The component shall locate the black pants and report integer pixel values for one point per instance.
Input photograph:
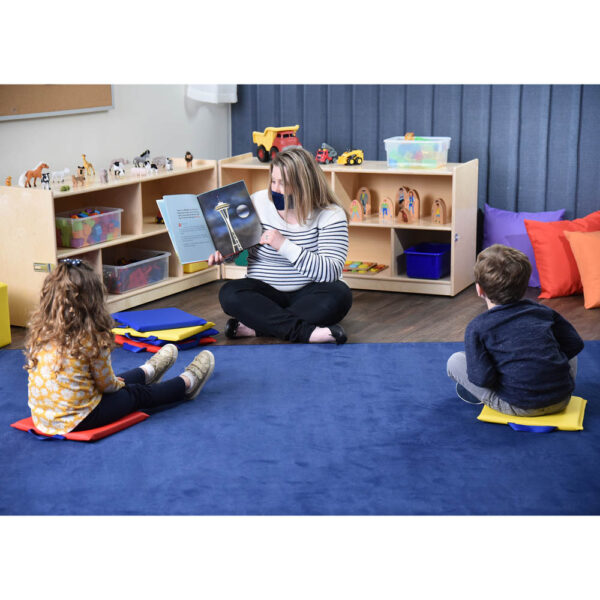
(286, 315)
(136, 395)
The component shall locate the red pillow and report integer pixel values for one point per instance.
(559, 275)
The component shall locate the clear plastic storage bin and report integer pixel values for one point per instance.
(74, 229)
(141, 268)
(420, 152)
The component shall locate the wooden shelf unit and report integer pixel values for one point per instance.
(28, 233)
(373, 241)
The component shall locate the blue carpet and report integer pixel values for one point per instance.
(360, 429)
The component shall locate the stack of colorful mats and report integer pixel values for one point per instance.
(148, 330)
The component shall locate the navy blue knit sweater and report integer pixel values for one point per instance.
(521, 351)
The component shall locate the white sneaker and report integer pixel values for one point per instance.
(201, 367)
(161, 362)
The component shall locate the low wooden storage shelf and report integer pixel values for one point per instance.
(373, 241)
(28, 232)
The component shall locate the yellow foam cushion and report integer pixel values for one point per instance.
(4, 316)
(570, 419)
(169, 335)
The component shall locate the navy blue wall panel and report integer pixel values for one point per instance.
(538, 145)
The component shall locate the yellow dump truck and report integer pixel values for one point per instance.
(274, 139)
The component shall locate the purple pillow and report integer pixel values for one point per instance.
(507, 227)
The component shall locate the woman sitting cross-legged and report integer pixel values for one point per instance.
(293, 288)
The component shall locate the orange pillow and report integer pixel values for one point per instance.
(559, 275)
(586, 250)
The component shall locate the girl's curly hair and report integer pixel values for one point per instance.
(72, 315)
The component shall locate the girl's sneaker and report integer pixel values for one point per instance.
(161, 362)
(201, 368)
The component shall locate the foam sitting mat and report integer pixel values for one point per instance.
(157, 319)
(569, 419)
(89, 435)
(169, 335)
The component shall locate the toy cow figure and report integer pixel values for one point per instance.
(117, 169)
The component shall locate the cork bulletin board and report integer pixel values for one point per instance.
(31, 101)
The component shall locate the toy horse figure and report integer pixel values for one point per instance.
(139, 161)
(25, 179)
(88, 166)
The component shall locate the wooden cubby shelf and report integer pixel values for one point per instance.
(28, 232)
(374, 241)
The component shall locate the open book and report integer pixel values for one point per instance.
(223, 219)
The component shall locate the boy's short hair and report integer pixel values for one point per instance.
(502, 273)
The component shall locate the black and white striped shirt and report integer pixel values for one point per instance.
(315, 251)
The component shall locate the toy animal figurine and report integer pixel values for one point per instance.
(138, 161)
(59, 176)
(25, 178)
(88, 166)
(413, 205)
(65, 188)
(117, 168)
(438, 212)
(386, 211)
(169, 164)
(8, 181)
(160, 162)
(364, 196)
(150, 167)
(104, 176)
(356, 211)
(45, 181)
(188, 159)
(78, 179)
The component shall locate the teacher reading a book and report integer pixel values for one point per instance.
(293, 288)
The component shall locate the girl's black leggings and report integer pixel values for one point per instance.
(285, 315)
(136, 395)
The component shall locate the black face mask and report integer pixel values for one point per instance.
(279, 200)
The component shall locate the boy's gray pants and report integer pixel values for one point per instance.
(457, 370)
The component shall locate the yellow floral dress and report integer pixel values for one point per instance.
(61, 398)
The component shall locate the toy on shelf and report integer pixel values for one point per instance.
(45, 181)
(356, 212)
(59, 176)
(104, 176)
(117, 168)
(438, 212)
(386, 211)
(412, 206)
(273, 140)
(65, 188)
(25, 178)
(8, 181)
(139, 161)
(89, 167)
(150, 167)
(189, 158)
(410, 135)
(363, 268)
(78, 179)
(119, 161)
(326, 154)
(364, 197)
(160, 162)
(351, 157)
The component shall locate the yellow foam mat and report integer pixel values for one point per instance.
(570, 419)
(169, 335)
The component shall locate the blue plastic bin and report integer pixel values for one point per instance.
(428, 260)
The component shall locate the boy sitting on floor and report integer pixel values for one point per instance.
(520, 356)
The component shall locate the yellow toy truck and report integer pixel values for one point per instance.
(352, 157)
(274, 139)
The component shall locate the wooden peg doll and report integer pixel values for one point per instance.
(356, 213)
(438, 212)
(412, 206)
(364, 196)
(386, 210)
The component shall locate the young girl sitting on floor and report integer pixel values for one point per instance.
(72, 386)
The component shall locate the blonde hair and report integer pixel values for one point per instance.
(72, 315)
(305, 181)
(502, 273)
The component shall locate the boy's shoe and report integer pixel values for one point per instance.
(202, 367)
(162, 361)
(465, 395)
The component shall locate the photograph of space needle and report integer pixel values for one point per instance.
(231, 218)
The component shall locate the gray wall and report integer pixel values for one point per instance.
(538, 145)
(158, 117)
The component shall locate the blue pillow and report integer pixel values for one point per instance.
(507, 227)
